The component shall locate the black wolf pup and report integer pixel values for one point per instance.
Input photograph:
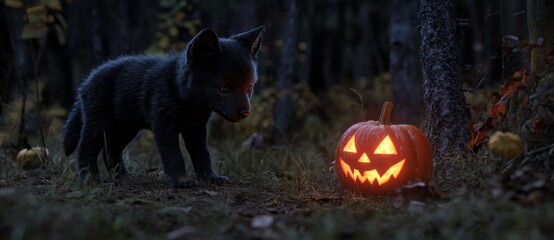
(168, 95)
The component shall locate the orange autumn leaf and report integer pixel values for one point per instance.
(479, 133)
(519, 73)
(498, 110)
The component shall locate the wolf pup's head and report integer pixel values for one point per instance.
(221, 72)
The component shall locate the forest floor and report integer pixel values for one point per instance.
(274, 193)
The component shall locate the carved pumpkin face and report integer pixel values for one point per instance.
(378, 157)
(377, 169)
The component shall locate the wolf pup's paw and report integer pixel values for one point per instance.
(121, 171)
(182, 184)
(125, 175)
(215, 179)
(84, 176)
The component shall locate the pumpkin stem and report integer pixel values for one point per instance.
(385, 114)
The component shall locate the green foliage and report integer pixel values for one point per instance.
(178, 21)
(14, 3)
(40, 18)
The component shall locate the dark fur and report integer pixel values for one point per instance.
(168, 95)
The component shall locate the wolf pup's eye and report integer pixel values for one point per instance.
(249, 89)
(224, 89)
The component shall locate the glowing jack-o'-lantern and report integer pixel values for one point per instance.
(376, 157)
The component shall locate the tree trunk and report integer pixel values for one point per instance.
(287, 71)
(407, 86)
(22, 64)
(142, 24)
(22, 67)
(318, 39)
(446, 118)
(97, 48)
(540, 17)
(325, 59)
(6, 57)
(116, 19)
(539, 128)
(361, 62)
(514, 18)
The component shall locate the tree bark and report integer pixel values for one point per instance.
(22, 64)
(116, 18)
(538, 129)
(407, 86)
(22, 68)
(540, 17)
(97, 48)
(316, 76)
(361, 62)
(143, 16)
(446, 117)
(6, 57)
(325, 66)
(287, 70)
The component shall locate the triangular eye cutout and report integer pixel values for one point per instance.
(386, 147)
(351, 145)
(364, 159)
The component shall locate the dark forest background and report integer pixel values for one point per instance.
(465, 72)
(315, 53)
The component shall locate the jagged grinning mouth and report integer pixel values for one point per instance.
(372, 175)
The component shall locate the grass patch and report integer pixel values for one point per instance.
(293, 188)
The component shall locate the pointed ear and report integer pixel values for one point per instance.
(204, 44)
(251, 40)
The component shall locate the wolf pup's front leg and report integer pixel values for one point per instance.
(196, 143)
(167, 141)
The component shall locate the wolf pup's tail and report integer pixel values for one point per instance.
(72, 129)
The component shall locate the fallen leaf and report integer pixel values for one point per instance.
(523, 185)
(138, 201)
(539, 126)
(498, 110)
(176, 209)
(75, 194)
(181, 232)
(211, 193)
(416, 206)
(479, 132)
(262, 221)
(418, 191)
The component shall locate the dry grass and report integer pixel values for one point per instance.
(293, 185)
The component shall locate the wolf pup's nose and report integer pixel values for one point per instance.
(244, 113)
